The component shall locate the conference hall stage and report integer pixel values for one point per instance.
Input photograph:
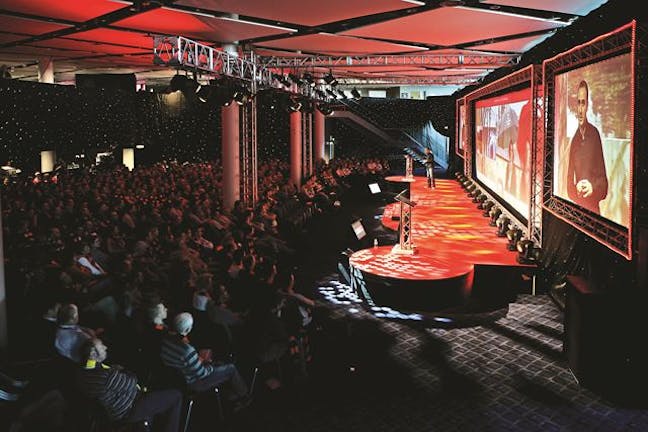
(459, 260)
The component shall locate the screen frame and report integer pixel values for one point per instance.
(610, 45)
(523, 78)
(461, 102)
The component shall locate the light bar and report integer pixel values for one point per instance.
(289, 29)
(416, 2)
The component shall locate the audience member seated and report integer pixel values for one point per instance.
(120, 397)
(199, 372)
(70, 336)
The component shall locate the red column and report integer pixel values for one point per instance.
(319, 120)
(295, 148)
(231, 167)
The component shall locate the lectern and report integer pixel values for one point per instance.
(409, 169)
(405, 245)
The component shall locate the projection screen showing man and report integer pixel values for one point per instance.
(592, 131)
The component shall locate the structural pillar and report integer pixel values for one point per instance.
(296, 148)
(48, 160)
(319, 135)
(231, 163)
(46, 70)
(128, 158)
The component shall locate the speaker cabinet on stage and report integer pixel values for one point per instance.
(600, 336)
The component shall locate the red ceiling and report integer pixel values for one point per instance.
(358, 28)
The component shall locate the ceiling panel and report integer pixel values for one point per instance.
(451, 26)
(87, 46)
(174, 23)
(73, 10)
(338, 45)
(379, 68)
(515, 45)
(117, 37)
(36, 52)
(576, 7)
(305, 12)
(27, 26)
(8, 37)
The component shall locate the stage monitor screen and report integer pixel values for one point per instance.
(374, 188)
(593, 137)
(358, 229)
(503, 147)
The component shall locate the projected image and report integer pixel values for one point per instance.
(592, 130)
(461, 129)
(503, 146)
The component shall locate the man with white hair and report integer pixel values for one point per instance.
(199, 374)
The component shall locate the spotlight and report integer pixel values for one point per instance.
(331, 93)
(356, 94)
(487, 206)
(528, 253)
(475, 194)
(342, 94)
(513, 235)
(495, 213)
(502, 225)
(471, 188)
(480, 200)
(309, 79)
(325, 108)
(320, 94)
(330, 79)
(241, 95)
(294, 105)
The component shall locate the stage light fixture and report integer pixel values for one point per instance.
(495, 213)
(203, 92)
(503, 225)
(342, 94)
(513, 235)
(471, 188)
(475, 194)
(307, 77)
(294, 104)
(325, 108)
(480, 201)
(487, 206)
(331, 93)
(330, 79)
(528, 252)
(356, 94)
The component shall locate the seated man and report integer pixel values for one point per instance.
(199, 374)
(70, 336)
(117, 392)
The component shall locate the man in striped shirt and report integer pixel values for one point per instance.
(199, 374)
(119, 395)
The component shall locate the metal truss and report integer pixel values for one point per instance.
(307, 144)
(489, 61)
(406, 244)
(409, 167)
(248, 153)
(409, 80)
(534, 226)
(618, 42)
(180, 52)
(526, 75)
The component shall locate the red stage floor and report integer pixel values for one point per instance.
(449, 233)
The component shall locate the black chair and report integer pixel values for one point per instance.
(174, 378)
(99, 421)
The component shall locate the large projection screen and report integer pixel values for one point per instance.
(502, 146)
(590, 137)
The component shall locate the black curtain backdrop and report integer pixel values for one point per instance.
(39, 117)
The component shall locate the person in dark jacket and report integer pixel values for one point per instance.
(119, 395)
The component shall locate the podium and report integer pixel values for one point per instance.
(409, 168)
(405, 244)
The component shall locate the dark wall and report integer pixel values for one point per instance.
(39, 117)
